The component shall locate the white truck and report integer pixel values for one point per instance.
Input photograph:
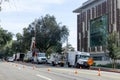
(78, 59)
(36, 58)
(28, 57)
(56, 59)
(39, 58)
(34, 55)
(19, 56)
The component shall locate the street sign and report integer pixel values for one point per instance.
(90, 61)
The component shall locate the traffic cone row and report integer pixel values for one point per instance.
(75, 72)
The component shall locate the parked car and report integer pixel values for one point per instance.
(10, 59)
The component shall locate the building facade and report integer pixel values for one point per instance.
(95, 20)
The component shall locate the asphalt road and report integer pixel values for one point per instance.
(27, 71)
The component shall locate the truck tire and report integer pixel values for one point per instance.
(61, 64)
(77, 65)
(53, 64)
(69, 64)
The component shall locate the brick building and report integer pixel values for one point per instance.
(95, 20)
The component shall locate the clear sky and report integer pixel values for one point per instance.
(17, 14)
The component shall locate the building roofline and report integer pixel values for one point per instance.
(84, 5)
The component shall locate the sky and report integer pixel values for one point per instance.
(17, 14)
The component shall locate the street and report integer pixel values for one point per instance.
(27, 71)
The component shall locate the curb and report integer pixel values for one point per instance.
(106, 69)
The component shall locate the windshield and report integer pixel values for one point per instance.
(84, 57)
(41, 55)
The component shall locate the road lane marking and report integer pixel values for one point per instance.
(43, 77)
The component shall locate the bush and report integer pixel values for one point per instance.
(109, 65)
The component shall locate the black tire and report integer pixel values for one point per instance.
(62, 64)
(69, 64)
(77, 65)
(53, 64)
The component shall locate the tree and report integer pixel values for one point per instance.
(18, 45)
(49, 34)
(5, 42)
(113, 47)
(68, 48)
(5, 38)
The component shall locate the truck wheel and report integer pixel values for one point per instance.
(61, 64)
(53, 64)
(77, 65)
(69, 64)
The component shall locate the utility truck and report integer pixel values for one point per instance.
(19, 56)
(77, 59)
(28, 57)
(40, 58)
(56, 59)
(34, 55)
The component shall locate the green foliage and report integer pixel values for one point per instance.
(5, 38)
(113, 47)
(18, 45)
(68, 47)
(49, 34)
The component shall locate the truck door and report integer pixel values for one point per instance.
(76, 58)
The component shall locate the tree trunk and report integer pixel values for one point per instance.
(114, 63)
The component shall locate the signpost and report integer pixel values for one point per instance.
(90, 61)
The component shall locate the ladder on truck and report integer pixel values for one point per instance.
(32, 44)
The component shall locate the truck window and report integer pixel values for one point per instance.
(84, 57)
(41, 55)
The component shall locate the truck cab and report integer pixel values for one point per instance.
(41, 58)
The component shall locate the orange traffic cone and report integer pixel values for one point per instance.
(99, 72)
(76, 72)
(33, 67)
(16, 65)
(80, 67)
(23, 66)
(48, 69)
